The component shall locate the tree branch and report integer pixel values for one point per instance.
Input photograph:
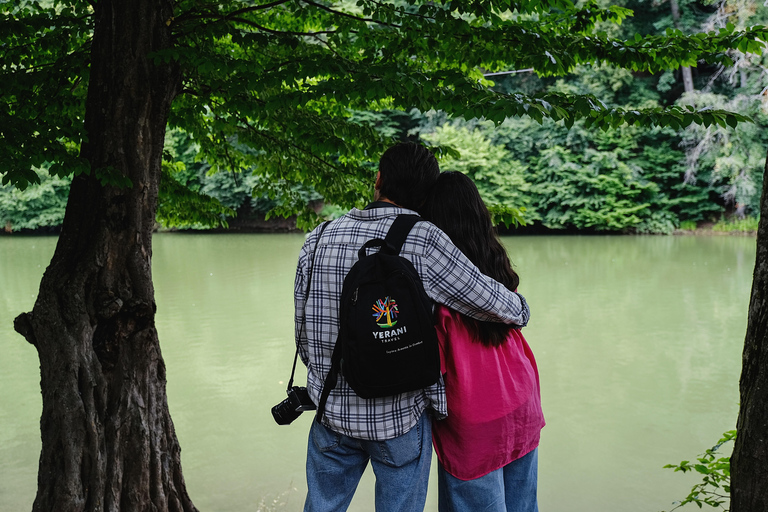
(307, 155)
(258, 7)
(188, 15)
(22, 324)
(229, 18)
(347, 15)
(331, 49)
(279, 32)
(412, 14)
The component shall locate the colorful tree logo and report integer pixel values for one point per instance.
(385, 312)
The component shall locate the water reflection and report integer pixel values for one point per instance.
(638, 340)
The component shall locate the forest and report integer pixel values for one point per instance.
(630, 179)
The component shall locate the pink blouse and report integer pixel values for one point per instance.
(494, 401)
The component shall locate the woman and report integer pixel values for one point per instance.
(487, 447)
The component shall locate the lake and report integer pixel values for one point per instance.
(638, 342)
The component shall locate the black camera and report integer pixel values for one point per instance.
(291, 408)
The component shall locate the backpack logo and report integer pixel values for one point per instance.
(385, 312)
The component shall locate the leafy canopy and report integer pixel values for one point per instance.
(271, 87)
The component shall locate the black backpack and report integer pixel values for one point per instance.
(387, 342)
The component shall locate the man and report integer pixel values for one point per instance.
(394, 433)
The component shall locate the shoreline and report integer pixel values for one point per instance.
(258, 224)
(712, 232)
(286, 227)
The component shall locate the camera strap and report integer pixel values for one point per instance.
(293, 371)
(306, 297)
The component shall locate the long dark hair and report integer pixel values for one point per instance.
(454, 205)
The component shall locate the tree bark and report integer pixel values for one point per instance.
(687, 79)
(108, 442)
(686, 70)
(749, 462)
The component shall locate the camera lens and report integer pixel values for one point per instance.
(285, 412)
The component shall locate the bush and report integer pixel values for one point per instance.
(37, 206)
(715, 486)
(745, 225)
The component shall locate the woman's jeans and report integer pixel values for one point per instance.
(336, 462)
(508, 489)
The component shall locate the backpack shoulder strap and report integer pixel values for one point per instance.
(330, 381)
(398, 232)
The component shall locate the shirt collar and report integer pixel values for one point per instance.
(380, 210)
(380, 204)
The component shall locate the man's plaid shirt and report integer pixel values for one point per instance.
(449, 278)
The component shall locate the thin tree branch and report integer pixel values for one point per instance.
(258, 7)
(280, 32)
(229, 18)
(347, 15)
(331, 49)
(261, 7)
(412, 14)
(308, 156)
(510, 72)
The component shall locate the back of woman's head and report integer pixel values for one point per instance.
(455, 206)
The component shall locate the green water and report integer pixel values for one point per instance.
(638, 341)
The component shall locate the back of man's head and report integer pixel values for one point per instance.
(407, 172)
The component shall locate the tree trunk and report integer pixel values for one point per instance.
(687, 74)
(749, 462)
(687, 79)
(108, 442)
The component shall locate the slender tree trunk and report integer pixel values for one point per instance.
(687, 79)
(108, 442)
(686, 70)
(749, 462)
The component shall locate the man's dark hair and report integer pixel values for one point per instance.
(408, 170)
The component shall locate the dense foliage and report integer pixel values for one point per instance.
(528, 138)
(633, 178)
(35, 207)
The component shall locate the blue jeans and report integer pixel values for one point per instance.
(336, 462)
(508, 489)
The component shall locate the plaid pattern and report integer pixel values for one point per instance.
(449, 278)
